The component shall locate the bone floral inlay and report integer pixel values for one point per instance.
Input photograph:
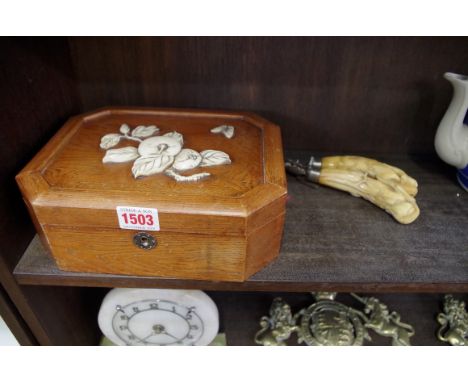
(159, 154)
(226, 130)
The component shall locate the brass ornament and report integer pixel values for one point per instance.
(330, 323)
(454, 322)
(278, 327)
(385, 323)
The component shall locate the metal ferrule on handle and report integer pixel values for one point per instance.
(313, 170)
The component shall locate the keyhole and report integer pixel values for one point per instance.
(144, 240)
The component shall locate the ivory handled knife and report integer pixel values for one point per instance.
(386, 186)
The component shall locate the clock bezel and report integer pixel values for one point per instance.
(190, 311)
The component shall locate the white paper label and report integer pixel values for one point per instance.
(138, 218)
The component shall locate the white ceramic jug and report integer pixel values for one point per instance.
(451, 140)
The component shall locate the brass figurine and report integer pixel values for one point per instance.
(329, 322)
(383, 322)
(454, 322)
(276, 328)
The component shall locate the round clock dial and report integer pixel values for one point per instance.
(158, 317)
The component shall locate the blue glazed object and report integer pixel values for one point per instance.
(462, 176)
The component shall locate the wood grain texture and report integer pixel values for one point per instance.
(331, 94)
(333, 241)
(264, 243)
(177, 255)
(206, 227)
(79, 164)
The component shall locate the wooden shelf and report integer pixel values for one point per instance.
(334, 242)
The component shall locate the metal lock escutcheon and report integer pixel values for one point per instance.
(144, 240)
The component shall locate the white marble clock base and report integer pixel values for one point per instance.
(158, 317)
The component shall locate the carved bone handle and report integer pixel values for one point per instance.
(383, 172)
(386, 186)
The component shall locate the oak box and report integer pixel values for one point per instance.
(187, 194)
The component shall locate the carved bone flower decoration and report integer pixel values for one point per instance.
(159, 154)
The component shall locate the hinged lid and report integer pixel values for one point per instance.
(67, 177)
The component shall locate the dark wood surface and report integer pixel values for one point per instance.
(384, 94)
(333, 241)
(38, 95)
(14, 321)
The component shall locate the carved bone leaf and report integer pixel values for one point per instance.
(175, 135)
(109, 140)
(214, 158)
(144, 131)
(226, 130)
(187, 159)
(150, 165)
(125, 154)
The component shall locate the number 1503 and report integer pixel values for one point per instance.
(141, 219)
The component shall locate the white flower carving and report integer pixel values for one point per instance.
(158, 145)
(159, 154)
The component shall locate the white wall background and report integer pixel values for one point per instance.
(6, 337)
